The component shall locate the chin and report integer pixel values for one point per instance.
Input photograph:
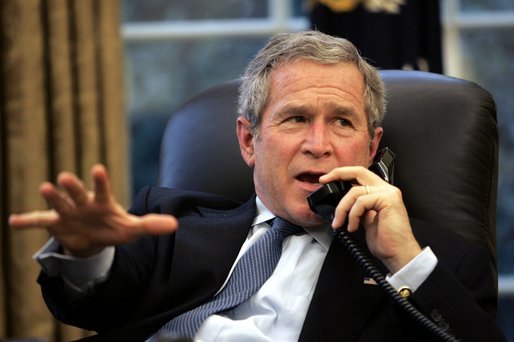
(307, 218)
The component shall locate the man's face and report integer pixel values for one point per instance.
(313, 122)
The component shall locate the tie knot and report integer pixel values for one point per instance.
(285, 228)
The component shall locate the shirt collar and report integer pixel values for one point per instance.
(323, 234)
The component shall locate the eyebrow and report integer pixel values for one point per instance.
(295, 110)
(306, 110)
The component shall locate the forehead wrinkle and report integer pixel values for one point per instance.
(354, 91)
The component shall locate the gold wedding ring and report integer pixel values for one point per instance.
(367, 189)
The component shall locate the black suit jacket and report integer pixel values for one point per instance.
(157, 278)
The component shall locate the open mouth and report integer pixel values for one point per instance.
(308, 177)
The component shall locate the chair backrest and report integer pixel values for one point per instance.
(442, 129)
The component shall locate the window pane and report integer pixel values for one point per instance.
(161, 76)
(505, 315)
(137, 10)
(477, 5)
(299, 8)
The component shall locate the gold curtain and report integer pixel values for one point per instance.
(61, 108)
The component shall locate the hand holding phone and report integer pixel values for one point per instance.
(325, 200)
(355, 196)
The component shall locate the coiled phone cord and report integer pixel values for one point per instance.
(402, 303)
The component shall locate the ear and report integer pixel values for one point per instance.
(245, 138)
(373, 146)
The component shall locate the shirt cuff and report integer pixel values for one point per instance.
(79, 273)
(415, 272)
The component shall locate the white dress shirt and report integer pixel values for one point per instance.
(274, 313)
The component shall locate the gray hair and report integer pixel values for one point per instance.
(309, 45)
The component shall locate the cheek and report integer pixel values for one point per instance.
(354, 153)
(272, 159)
(264, 169)
(273, 153)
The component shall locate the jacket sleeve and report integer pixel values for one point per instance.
(115, 301)
(461, 297)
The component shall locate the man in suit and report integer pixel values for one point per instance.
(310, 110)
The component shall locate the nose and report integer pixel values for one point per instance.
(317, 141)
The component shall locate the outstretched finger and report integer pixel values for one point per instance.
(101, 186)
(74, 187)
(34, 219)
(158, 224)
(55, 199)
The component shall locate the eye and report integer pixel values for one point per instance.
(296, 119)
(343, 122)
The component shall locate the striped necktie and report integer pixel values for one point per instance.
(252, 270)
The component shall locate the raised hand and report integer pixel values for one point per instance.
(378, 206)
(84, 222)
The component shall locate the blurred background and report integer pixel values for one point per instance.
(173, 49)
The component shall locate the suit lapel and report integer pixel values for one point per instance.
(206, 247)
(342, 302)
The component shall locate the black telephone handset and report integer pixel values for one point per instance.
(324, 202)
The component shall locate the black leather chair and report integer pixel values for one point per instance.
(442, 129)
